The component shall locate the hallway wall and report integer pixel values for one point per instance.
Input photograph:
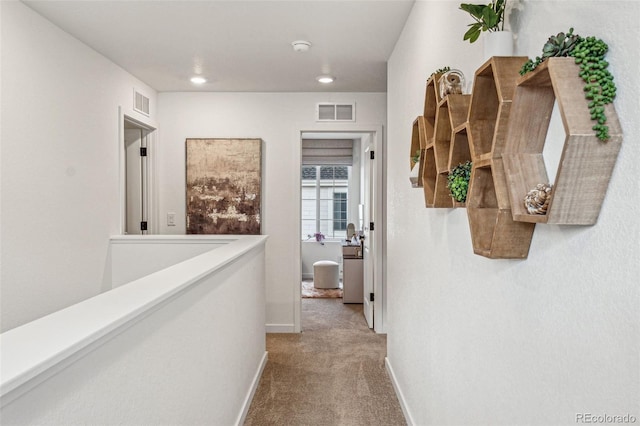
(538, 341)
(60, 165)
(275, 118)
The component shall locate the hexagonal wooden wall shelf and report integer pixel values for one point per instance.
(431, 100)
(418, 143)
(451, 112)
(493, 88)
(459, 152)
(494, 233)
(586, 163)
(423, 126)
(429, 175)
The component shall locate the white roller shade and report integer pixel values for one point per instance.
(330, 152)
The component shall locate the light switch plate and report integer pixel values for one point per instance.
(171, 219)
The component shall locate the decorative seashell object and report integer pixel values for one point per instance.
(451, 82)
(537, 200)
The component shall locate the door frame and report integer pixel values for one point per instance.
(152, 195)
(378, 137)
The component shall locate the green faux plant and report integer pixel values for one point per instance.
(416, 158)
(488, 17)
(458, 181)
(440, 71)
(589, 53)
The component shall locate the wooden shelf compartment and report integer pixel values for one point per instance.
(418, 142)
(494, 233)
(586, 163)
(429, 177)
(452, 112)
(431, 101)
(459, 152)
(493, 88)
(442, 195)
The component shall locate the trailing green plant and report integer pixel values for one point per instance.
(589, 53)
(458, 181)
(488, 17)
(416, 157)
(599, 88)
(440, 71)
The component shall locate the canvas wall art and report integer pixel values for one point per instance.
(224, 181)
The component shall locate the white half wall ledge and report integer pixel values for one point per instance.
(280, 328)
(37, 350)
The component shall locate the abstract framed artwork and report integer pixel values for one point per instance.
(224, 186)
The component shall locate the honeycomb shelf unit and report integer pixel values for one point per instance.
(586, 163)
(494, 233)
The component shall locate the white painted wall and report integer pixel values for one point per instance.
(134, 256)
(184, 346)
(277, 119)
(313, 251)
(60, 176)
(478, 341)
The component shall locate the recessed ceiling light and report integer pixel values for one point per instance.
(301, 45)
(326, 79)
(198, 80)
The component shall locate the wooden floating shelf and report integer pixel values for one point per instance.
(429, 177)
(586, 163)
(423, 128)
(459, 152)
(493, 88)
(494, 233)
(431, 101)
(450, 113)
(418, 143)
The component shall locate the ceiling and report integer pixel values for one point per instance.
(239, 46)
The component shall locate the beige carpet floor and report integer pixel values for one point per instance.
(331, 374)
(309, 291)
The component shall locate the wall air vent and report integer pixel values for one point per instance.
(335, 112)
(140, 103)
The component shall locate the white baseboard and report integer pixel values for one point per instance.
(254, 386)
(280, 328)
(396, 387)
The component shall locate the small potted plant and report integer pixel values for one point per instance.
(589, 53)
(489, 18)
(458, 181)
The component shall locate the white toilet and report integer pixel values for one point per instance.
(326, 274)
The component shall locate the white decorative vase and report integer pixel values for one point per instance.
(497, 43)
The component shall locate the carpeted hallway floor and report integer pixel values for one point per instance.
(331, 374)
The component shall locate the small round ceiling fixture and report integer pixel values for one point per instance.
(198, 79)
(301, 45)
(326, 79)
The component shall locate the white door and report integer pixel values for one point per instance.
(135, 180)
(369, 235)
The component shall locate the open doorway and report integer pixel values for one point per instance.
(338, 188)
(136, 176)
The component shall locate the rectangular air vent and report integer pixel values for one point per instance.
(140, 103)
(335, 112)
